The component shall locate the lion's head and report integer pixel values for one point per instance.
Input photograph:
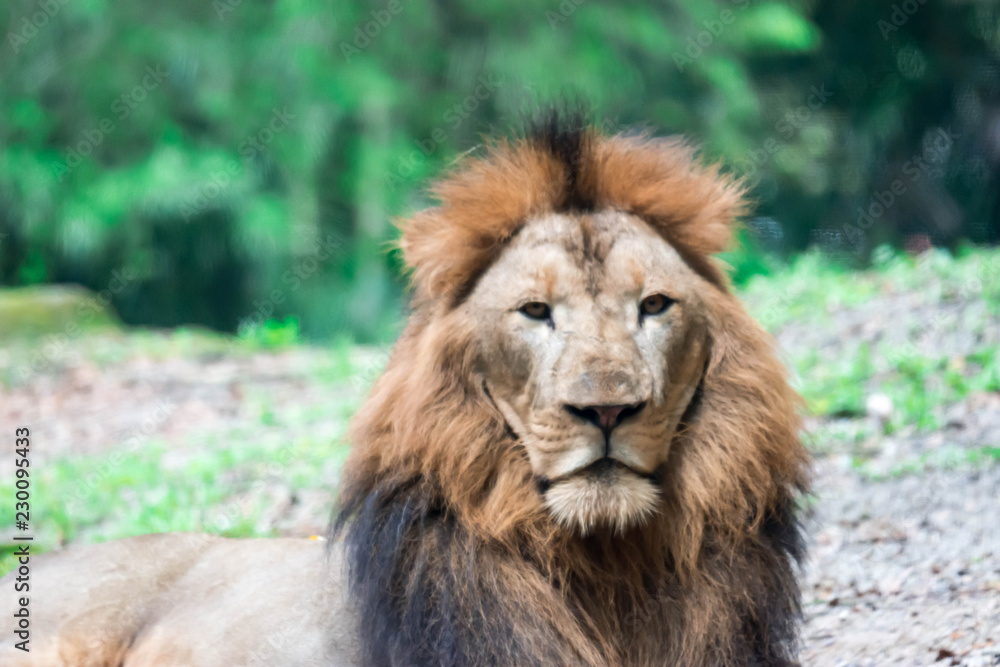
(579, 421)
(592, 343)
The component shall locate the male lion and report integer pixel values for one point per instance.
(582, 452)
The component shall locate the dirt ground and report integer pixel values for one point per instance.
(904, 561)
(903, 571)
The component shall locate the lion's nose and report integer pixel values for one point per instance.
(605, 417)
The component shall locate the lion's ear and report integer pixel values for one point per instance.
(481, 206)
(709, 229)
(662, 181)
(425, 245)
(445, 256)
(709, 226)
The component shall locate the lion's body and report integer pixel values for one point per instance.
(582, 451)
(499, 535)
(183, 599)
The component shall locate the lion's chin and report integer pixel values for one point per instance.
(616, 497)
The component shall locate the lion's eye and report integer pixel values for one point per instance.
(537, 310)
(654, 304)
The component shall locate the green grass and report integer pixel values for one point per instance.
(945, 458)
(219, 487)
(222, 482)
(920, 382)
(918, 386)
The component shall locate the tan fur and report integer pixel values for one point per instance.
(183, 599)
(622, 501)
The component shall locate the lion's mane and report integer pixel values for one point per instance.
(453, 559)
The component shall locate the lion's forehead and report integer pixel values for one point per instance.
(579, 233)
(611, 253)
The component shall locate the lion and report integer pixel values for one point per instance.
(582, 451)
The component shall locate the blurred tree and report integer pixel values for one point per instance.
(241, 160)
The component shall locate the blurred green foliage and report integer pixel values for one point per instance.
(228, 162)
(272, 333)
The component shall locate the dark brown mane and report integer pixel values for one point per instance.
(454, 560)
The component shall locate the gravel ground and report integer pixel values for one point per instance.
(904, 566)
(904, 571)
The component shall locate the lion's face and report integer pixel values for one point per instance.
(592, 346)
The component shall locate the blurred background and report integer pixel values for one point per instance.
(198, 283)
(227, 163)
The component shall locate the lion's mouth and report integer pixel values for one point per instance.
(606, 470)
